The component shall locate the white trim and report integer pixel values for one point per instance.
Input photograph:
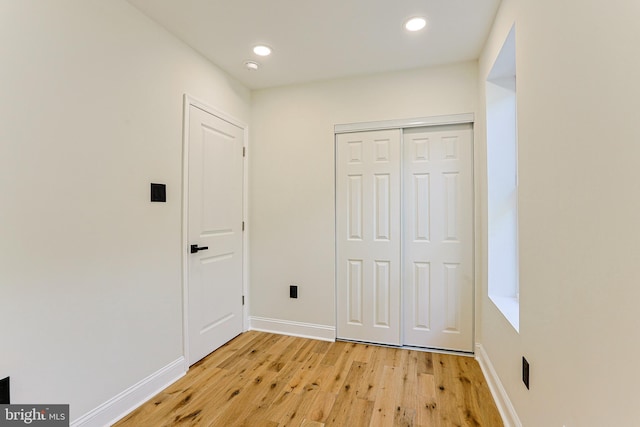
(189, 100)
(450, 119)
(506, 409)
(296, 329)
(245, 242)
(122, 404)
(185, 231)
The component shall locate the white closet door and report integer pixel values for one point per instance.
(438, 237)
(368, 236)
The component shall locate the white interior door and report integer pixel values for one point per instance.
(368, 236)
(215, 197)
(438, 237)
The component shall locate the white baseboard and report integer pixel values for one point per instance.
(296, 329)
(122, 404)
(506, 409)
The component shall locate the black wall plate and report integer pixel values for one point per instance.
(5, 393)
(158, 192)
(525, 372)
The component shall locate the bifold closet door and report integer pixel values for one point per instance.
(368, 235)
(438, 237)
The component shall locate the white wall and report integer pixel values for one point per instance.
(90, 275)
(578, 142)
(292, 175)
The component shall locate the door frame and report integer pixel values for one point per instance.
(476, 259)
(189, 101)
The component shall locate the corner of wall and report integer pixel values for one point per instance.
(506, 409)
(119, 406)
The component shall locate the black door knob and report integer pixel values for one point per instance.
(195, 248)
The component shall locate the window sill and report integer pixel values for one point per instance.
(510, 309)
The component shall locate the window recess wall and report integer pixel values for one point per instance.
(404, 224)
(502, 183)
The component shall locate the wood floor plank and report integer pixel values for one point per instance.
(362, 353)
(372, 379)
(321, 377)
(362, 413)
(267, 380)
(299, 379)
(321, 346)
(284, 407)
(321, 406)
(386, 405)
(334, 352)
(347, 396)
(393, 356)
(283, 352)
(304, 350)
(250, 390)
(224, 390)
(409, 391)
(426, 406)
(425, 362)
(447, 390)
(404, 417)
(299, 413)
(283, 378)
(256, 412)
(342, 365)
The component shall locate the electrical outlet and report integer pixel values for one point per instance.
(525, 372)
(293, 291)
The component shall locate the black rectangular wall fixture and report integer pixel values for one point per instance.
(525, 372)
(293, 291)
(5, 394)
(158, 192)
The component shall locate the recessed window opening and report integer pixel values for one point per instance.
(502, 183)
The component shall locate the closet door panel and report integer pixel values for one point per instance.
(368, 236)
(438, 237)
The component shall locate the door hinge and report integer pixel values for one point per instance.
(242, 299)
(242, 225)
(244, 151)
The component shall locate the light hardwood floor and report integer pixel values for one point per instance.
(261, 379)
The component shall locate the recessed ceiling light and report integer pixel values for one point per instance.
(415, 24)
(251, 65)
(262, 50)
